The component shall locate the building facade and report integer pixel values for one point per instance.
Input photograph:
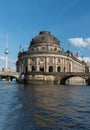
(45, 55)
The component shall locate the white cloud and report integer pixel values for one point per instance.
(80, 42)
(2, 58)
(9, 60)
(86, 59)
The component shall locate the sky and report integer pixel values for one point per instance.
(21, 20)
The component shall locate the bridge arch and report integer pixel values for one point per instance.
(65, 78)
(10, 75)
(7, 77)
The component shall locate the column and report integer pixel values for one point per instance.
(46, 64)
(67, 64)
(55, 64)
(29, 67)
(22, 68)
(37, 66)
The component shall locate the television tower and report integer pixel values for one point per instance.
(6, 53)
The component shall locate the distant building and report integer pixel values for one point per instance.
(45, 55)
(8, 69)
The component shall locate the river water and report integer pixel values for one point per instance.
(44, 107)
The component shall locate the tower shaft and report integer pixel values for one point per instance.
(6, 53)
(6, 60)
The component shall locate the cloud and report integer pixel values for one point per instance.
(2, 58)
(80, 42)
(11, 63)
(86, 59)
(9, 60)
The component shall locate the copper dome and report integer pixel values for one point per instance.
(44, 37)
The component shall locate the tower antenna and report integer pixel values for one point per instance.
(7, 41)
(6, 53)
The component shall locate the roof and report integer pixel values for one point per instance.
(44, 37)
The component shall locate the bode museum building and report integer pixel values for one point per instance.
(45, 58)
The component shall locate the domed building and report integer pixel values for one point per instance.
(45, 58)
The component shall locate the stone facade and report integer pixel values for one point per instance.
(46, 55)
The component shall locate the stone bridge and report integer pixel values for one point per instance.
(11, 75)
(62, 77)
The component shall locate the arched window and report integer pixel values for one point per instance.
(33, 68)
(50, 68)
(42, 59)
(51, 49)
(64, 69)
(59, 60)
(26, 69)
(32, 48)
(42, 68)
(64, 62)
(41, 64)
(33, 60)
(43, 48)
(55, 48)
(51, 60)
(58, 69)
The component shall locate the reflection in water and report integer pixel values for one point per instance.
(44, 107)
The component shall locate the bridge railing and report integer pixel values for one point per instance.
(56, 73)
(8, 73)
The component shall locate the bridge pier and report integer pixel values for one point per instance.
(88, 81)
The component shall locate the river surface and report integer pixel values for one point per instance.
(44, 107)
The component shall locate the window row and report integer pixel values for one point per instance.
(44, 48)
(51, 60)
(50, 69)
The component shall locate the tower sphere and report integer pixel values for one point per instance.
(6, 51)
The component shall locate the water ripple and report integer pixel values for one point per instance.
(49, 107)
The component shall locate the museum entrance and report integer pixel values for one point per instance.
(42, 66)
(42, 69)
